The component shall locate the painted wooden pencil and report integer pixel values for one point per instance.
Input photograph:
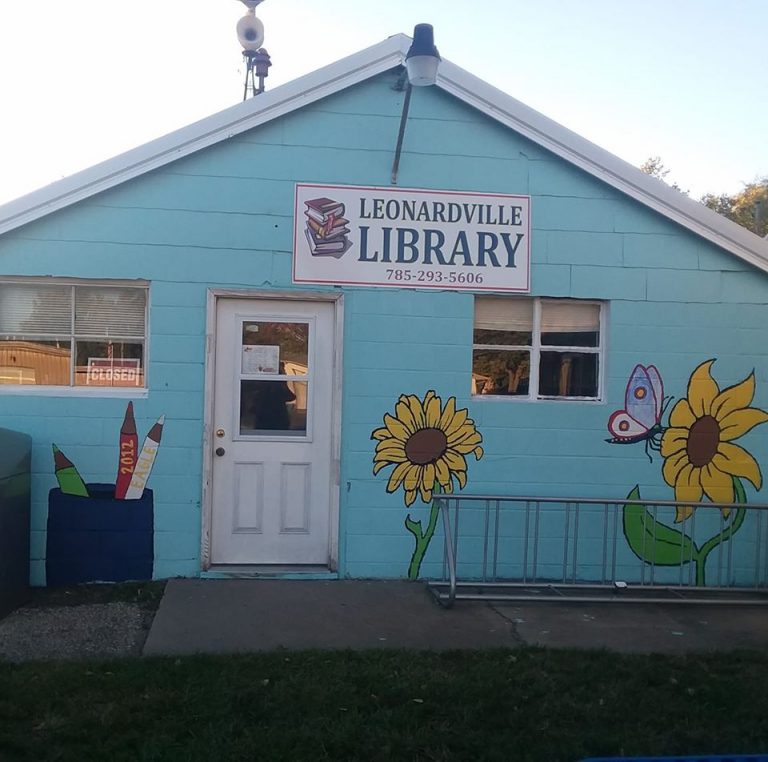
(145, 461)
(129, 450)
(70, 481)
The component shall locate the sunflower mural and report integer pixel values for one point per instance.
(701, 461)
(427, 443)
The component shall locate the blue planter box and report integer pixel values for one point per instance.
(98, 538)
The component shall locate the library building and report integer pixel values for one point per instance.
(383, 322)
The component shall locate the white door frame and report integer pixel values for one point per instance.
(214, 294)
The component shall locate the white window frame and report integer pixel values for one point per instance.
(125, 392)
(535, 349)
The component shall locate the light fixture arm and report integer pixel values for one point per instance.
(421, 64)
(401, 133)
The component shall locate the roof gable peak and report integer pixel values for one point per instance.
(357, 68)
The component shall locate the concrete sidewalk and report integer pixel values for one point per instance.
(231, 616)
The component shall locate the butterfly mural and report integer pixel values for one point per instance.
(644, 406)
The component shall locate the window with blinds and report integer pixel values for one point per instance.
(537, 348)
(59, 334)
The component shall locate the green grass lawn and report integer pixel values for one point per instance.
(526, 704)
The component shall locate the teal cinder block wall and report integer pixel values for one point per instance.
(223, 218)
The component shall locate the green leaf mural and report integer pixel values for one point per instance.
(654, 542)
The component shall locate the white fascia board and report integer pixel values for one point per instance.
(603, 165)
(206, 132)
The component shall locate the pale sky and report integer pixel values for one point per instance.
(84, 80)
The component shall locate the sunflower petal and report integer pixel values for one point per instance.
(688, 485)
(468, 444)
(736, 461)
(673, 440)
(717, 486)
(381, 434)
(682, 416)
(478, 452)
(448, 412)
(702, 390)
(412, 477)
(734, 398)
(442, 472)
(396, 427)
(463, 434)
(429, 476)
(682, 512)
(432, 412)
(673, 465)
(397, 476)
(455, 460)
(417, 410)
(457, 422)
(382, 464)
(410, 498)
(390, 444)
(739, 422)
(404, 414)
(426, 494)
(390, 456)
(461, 478)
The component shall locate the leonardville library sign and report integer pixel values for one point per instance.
(411, 238)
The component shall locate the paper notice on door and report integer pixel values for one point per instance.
(260, 359)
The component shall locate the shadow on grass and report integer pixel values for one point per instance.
(527, 704)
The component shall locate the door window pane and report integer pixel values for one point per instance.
(279, 348)
(273, 407)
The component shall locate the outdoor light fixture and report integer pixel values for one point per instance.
(421, 64)
(422, 59)
(250, 33)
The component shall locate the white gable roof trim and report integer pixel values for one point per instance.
(353, 70)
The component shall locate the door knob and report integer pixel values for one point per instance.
(220, 451)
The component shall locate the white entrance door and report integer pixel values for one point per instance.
(272, 419)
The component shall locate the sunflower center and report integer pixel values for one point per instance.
(703, 439)
(426, 446)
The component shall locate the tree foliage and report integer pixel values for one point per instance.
(654, 167)
(748, 207)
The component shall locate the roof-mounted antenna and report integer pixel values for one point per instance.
(250, 32)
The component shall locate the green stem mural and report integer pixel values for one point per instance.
(726, 534)
(422, 538)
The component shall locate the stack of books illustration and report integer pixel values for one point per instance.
(326, 227)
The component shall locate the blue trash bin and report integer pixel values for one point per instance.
(15, 451)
